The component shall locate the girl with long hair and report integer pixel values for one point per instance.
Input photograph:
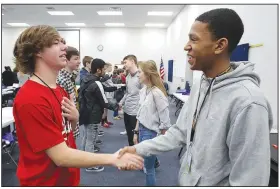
(153, 114)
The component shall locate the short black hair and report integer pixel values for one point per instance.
(224, 23)
(97, 64)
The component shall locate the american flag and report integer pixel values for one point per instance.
(161, 70)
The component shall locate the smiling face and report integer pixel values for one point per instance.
(74, 62)
(200, 47)
(55, 55)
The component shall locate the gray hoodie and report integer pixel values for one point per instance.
(231, 142)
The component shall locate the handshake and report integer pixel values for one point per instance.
(127, 159)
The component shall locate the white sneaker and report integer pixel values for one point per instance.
(123, 133)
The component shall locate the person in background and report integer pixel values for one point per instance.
(15, 71)
(107, 81)
(45, 116)
(118, 94)
(131, 98)
(225, 124)
(153, 105)
(8, 78)
(122, 76)
(115, 68)
(92, 102)
(86, 69)
(65, 77)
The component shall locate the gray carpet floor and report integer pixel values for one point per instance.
(166, 174)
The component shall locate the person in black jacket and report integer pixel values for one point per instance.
(92, 102)
(8, 78)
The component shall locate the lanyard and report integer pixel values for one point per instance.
(49, 88)
(196, 114)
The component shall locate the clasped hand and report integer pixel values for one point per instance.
(129, 159)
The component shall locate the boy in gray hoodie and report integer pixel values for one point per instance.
(226, 122)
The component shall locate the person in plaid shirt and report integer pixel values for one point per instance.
(65, 76)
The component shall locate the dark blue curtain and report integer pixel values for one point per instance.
(170, 70)
(240, 53)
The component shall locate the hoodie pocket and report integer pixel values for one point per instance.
(189, 179)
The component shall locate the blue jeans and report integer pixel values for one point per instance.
(149, 162)
(116, 113)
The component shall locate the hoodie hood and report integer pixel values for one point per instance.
(241, 71)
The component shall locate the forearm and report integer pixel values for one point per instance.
(172, 139)
(123, 99)
(137, 126)
(81, 159)
(164, 119)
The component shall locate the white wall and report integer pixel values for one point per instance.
(146, 44)
(9, 37)
(72, 37)
(260, 23)
(118, 42)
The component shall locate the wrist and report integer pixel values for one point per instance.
(136, 132)
(112, 159)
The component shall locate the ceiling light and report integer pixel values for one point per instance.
(2, 14)
(114, 24)
(109, 13)
(75, 24)
(18, 24)
(159, 13)
(154, 24)
(60, 13)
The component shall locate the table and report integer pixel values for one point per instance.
(179, 96)
(181, 100)
(7, 116)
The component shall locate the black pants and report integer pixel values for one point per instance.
(130, 123)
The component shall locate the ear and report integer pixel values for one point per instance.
(39, 54)
(221, 46)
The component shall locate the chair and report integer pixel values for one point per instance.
(8, 144)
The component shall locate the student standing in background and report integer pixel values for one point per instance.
(131, 98)
(106, 80)
(153, 105)
(86, 69)
(65, 77)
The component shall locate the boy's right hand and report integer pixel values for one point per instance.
(120, 105)
(128, 161)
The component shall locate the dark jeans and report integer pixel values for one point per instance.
(116, 113)
(149, 161)
(130, 123)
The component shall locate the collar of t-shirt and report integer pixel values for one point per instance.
(132, 75)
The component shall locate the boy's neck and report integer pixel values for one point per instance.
(46, 74)
(68, 69)
(87, 69)
(133, 70)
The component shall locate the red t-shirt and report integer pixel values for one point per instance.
(40, 126)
